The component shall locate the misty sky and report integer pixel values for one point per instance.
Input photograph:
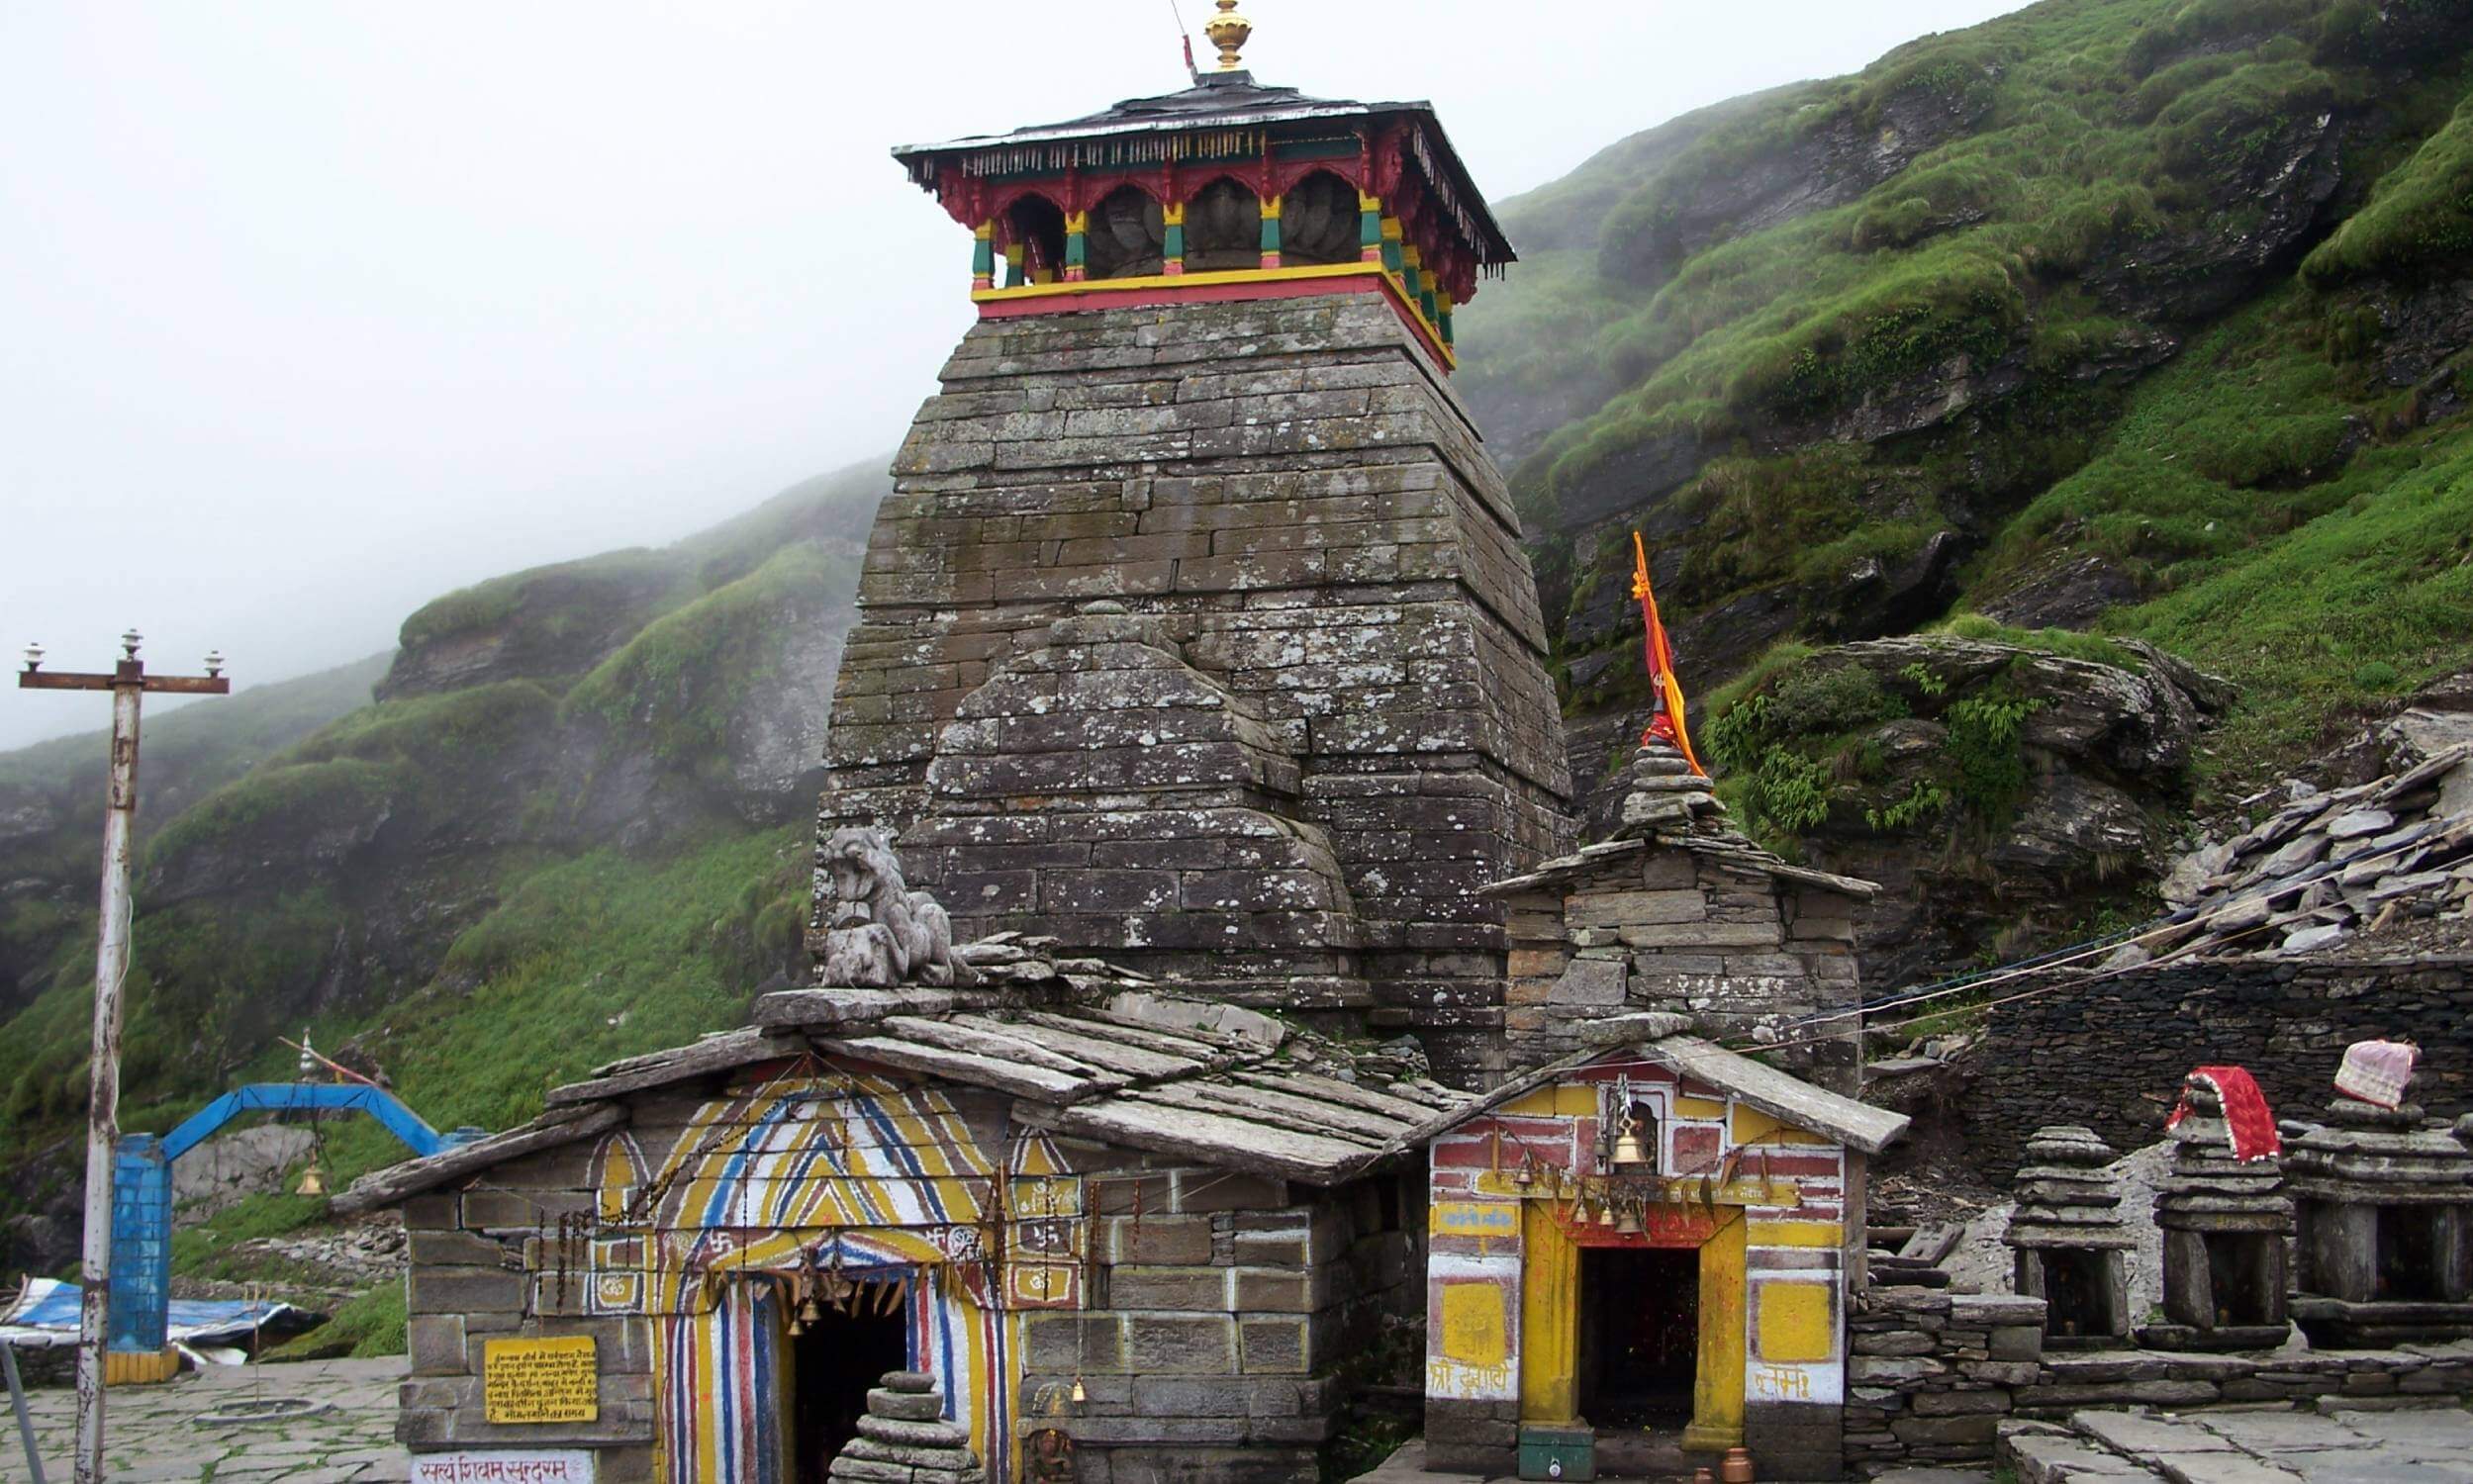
(311, 311)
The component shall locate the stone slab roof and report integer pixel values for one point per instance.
(1724, 849)
(1082, 1055)
(1781, 1095)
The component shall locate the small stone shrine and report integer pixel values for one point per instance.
(1210, 388)
(2070, 1239)
(2225, 1218)
(1677, 912)
(2384, 1203)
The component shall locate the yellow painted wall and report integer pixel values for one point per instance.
(1798, 1322)
(1549, 1311)
(1475, 1329)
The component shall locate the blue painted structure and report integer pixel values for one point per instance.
(142, 1189)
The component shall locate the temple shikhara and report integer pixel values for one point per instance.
(1217, 1024)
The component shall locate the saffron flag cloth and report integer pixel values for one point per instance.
(2246, 1116)
(2377, 1072)
(1665, 720)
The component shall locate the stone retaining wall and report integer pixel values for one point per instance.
(1933, 1374)
(2111, 1053)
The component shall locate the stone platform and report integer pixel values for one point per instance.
(154, 1432)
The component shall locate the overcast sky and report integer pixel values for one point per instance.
(311, 311)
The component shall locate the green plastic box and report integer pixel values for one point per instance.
(1560, 1451)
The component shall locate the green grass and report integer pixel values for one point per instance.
(363, 1328)
(2420, 219)
(683, 682)
(2081, 136)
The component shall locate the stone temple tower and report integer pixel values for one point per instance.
(1196, 632)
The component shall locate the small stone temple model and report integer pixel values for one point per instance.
(1197, 630)
(2385, 1207)
(1677, 912)
(2072, 1240)
(1655, 1234)
(2225, 1218)
(904, 1440)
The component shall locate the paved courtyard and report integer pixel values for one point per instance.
(164, 1433)
(2412, 1445)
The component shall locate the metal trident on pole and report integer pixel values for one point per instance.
(127, 682)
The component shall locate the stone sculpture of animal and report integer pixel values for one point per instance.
(878, 933)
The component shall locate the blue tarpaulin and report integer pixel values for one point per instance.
(46, 1315)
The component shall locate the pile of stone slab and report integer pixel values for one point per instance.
(904, 1438)
(2329, 864)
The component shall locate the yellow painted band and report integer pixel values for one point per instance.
(1797, 1233)
(1270, 208)
(1172, 216)
(986, 231)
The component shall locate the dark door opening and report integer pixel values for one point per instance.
(1639, 1336)
(2243, 1268)
(2408, 1261)
(2077, 1286)
(833, 1365)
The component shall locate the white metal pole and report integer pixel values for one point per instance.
(111, 967)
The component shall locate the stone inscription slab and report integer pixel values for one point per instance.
(505, 1466)
(541, 1381)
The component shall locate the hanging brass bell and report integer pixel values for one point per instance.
(1081, 1394)
(1605, 1214)
(1629, 1147)
(1629, 1226)
(313, 1181)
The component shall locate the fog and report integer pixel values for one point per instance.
(311, 312)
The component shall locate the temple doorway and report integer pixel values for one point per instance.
(836, 1360)
(1639, 1335)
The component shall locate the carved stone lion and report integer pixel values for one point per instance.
(878, 933)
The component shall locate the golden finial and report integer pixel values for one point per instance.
(1228, 31)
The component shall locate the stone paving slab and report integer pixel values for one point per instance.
(2416, 1445)
(151, 1434)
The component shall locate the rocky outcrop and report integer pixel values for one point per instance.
(1985, 786)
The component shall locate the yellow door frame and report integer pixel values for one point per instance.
(1550, 1308)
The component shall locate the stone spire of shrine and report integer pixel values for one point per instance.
(1196, 633)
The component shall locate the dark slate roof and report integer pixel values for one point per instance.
(1219, 100)
(1724, 849)
(1088, 1054)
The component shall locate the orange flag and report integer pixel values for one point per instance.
(1667, 720)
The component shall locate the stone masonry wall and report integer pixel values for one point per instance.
(1745, 955)
(475, 1257)
(1297, 496)
(1209, 1349)
(1935, 1374)
(2111, 1053)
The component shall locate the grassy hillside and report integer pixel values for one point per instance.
(573, 829)
(2139, 316)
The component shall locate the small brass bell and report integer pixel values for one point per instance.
(810, 1312)
(313, 1181)
(1605, 1214)
(1080, 1393)
(1629, 1226)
